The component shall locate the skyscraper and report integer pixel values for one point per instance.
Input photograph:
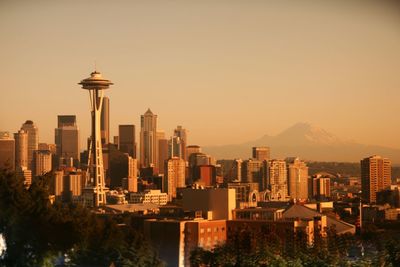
(148, 140)
(261, 153)
(95, 191)
(21, 149)
(67, 139)
(253, 172)
(41, 162)
(321, 187)
(127, 139)
(163, 154)
(7, 151)
(297, 178)
(192, 149)
(105, 122)
(277, 179)
(175, 176)
(175, 147)
(181, 133)
(375, 176)
(33, 140)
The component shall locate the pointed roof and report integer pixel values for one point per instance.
(148, 112)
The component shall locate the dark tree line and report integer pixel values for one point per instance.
(38, 233)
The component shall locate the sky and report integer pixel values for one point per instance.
(228, 71)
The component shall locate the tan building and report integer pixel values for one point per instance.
(297, 171)
(41, 162)
(7, 151)
(67, 139)
(191, 150)
(261, 153)
(180, 133)
(277, 180)
(33, 140)
(148, 140)
(321, 187)
(174, 172)
(127, 140)
(105, 121)
(21, 149)
(376, 175)
(214, 203)
(162, 153)
(149, 196)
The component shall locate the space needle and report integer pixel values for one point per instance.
(94, 192)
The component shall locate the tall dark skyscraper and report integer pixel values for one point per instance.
(67, 138)
(127, 139)
(148, 140)
(105, 122)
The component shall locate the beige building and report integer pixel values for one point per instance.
(7, 151)
(277, 180)
(41, 162)
(127, 139)
(321, 187)
(261, 153)
(214, 203)
(21, 149)
(33, 140)
(148, 140)
(174, 172)
(67, 139)
(297, 171)
(149, 196)
(376, 175)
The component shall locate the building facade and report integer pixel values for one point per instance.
(376, 175)
(148, 140)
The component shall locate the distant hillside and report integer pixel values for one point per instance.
(308, 142)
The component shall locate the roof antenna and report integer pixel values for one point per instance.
(95, 66)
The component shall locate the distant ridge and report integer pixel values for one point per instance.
(308, 142)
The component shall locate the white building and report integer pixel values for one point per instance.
(149, 196)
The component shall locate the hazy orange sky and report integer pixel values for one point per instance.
(228, 71)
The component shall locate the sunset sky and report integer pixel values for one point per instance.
(228, 71)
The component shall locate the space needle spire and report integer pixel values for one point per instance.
(95, 191)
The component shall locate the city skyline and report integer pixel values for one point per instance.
(221, 62)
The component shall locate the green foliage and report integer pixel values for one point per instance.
(36, 232)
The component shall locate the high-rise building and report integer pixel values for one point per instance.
(105, 122)
(297, 178)
(127, 139)
(67, 139)
(162, 154)
(253, 172)
(236, 173)
(180, 133)
(277, 180)
(191, 150)
(261, 153)
(95, 191)
(148, 140)
(375, 176)
(21, 149)
(41, 162)
(321, 187)
(7, 151)
(175, 147)
(33, 140)
(175, 176)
